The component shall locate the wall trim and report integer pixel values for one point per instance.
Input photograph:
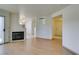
(45, 37)
(42, 38)
(74, 53)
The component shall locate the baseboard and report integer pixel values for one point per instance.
(6, 42)
(74, 53)
(42, 38)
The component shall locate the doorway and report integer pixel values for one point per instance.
(57, 27)
(1, 29)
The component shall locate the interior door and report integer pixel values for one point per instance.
(1, 29)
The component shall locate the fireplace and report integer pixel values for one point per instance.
(18, 35)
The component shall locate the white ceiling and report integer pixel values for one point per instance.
(33, 9)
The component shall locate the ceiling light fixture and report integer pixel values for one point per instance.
(22, 19)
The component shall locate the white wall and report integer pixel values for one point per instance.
(28, 26)
(34, 22)
(15, 26)
(70, 27)
(7, 24)
(44, 30)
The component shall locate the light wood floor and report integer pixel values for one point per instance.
(34, 47)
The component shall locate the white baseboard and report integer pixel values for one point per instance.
(70, 50)
(43, 37)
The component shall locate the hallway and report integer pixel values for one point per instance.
(38, 47)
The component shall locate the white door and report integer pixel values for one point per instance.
(1, 29)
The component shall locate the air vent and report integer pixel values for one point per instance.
(42, 18)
